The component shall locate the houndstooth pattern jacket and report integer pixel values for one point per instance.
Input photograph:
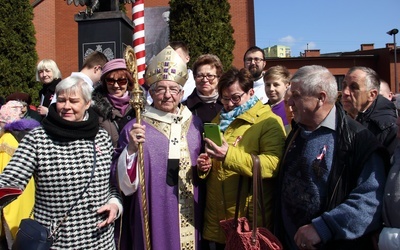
(61, 171)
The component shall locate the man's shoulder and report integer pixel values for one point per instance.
(383, 110)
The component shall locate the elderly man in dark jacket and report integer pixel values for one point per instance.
(361, 100)
(332, 176)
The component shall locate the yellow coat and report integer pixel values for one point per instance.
(258, 131)
(21, 208)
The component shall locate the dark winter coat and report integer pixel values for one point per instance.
(206, 111)
(48, 91)
(380, 119)
(110, 118)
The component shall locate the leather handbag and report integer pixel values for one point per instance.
(32, 235)
(239, 234)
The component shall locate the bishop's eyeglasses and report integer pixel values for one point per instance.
(162, 91)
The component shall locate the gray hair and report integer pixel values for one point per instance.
(372, 80)
(72, 84)
(48, 64)
(314, 79)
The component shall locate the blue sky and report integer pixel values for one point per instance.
(331, 26)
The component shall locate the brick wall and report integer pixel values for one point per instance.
(56, 30)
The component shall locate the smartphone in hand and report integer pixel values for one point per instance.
(212, 132)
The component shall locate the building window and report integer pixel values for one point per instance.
(339, 80)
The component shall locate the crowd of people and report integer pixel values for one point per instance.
(107, 179)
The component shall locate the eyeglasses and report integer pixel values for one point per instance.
(235, 99)
(162, 91)
(209, 77)
(255, 59)
(120, 81)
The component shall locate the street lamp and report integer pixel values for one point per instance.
(393, 33)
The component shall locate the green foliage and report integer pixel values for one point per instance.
(205, 26)
(18, 55)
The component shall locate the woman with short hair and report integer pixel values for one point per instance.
(204, 101)
(248, 127)
(66, 153)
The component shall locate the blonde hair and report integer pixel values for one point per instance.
(48, 64)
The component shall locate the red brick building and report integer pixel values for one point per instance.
(57, 31)
(381, 60)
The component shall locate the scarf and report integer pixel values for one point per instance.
(227, 117)
(208, 99)
(63, 130)
(120, 103)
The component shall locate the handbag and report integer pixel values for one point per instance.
(32, 235)
(239, 234)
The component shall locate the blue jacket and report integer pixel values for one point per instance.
(352, 210)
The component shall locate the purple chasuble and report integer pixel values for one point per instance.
(166, 211)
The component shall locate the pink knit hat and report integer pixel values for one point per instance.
(113, 65)
(11, 111)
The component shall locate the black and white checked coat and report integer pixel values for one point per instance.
(61, 170)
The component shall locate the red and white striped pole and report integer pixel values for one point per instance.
(138, 38)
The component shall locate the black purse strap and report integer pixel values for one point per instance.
(54, 232)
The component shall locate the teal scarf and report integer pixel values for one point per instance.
(227, 117)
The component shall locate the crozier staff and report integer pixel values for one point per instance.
(172, 140)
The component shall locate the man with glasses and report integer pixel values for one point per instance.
(183, 51)
(361, 100)
(254, 61)
(171, 139)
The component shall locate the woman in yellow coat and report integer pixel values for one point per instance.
(248, 127)
(12, 129)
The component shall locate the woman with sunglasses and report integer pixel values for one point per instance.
(248, 127)
(111, 98)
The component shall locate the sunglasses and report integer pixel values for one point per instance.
(120, 81)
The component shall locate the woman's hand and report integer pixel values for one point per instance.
(136, 135)
(203, 162)
(112, 210)
(214, 151)
(42, 110)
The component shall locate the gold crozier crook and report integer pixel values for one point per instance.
(137, 103)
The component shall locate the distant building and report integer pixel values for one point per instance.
(279, 51)
(379, 59)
